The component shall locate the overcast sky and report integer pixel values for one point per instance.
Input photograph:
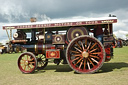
(19, 11)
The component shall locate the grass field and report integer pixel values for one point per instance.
(114, 72)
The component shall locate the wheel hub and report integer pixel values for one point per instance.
(26, 63)
(85, 54)
(77, 34)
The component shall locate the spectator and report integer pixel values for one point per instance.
(0, 51)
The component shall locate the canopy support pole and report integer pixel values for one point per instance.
(8, 35)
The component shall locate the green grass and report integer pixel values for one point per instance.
(114, 72)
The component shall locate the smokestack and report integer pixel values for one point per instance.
(33, 31)
(33, 19)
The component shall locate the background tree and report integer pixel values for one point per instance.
(1, 44)
(126, 36)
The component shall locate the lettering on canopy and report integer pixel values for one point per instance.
(61, 24)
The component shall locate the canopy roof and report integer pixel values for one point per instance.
(62, 23)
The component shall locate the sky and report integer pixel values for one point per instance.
(20, 11)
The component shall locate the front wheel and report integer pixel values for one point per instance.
(27, 62)
(85, 54)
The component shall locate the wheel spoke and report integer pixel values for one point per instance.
(90, 61)
(88, 46)
(85, 43)
(81, 64)
(23, 59)
(93, 50)
(24, 67)
(42, 58)
(78, 61)
(41, 63)
(78, 49)
(84, 64)
(27, 68)
(76, 55)
(27, 57)
(38, 64)
(30, 67)
(21, 62)
(82, 45)
(95, 60)
(93, 46)
(75, 51)
(94, 56)
(78, 45)
(75, 59)
(32, 62)
(96, 53)
(32, 59)
(88, 65)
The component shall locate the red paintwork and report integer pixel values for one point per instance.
(53, 53)
(108, 57)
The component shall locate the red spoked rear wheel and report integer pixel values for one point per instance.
(27, 62)
(85, 54)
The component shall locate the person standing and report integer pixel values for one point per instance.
(98, 33)
(0, 51)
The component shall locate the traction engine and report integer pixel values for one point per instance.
(72, 42)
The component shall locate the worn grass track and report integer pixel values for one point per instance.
(114, 72)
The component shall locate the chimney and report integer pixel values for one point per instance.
(33, 19)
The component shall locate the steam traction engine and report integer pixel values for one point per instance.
(70, 41)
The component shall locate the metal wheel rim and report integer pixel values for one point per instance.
(82, 63)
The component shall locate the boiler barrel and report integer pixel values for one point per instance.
(38, 48)
(30, 48)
